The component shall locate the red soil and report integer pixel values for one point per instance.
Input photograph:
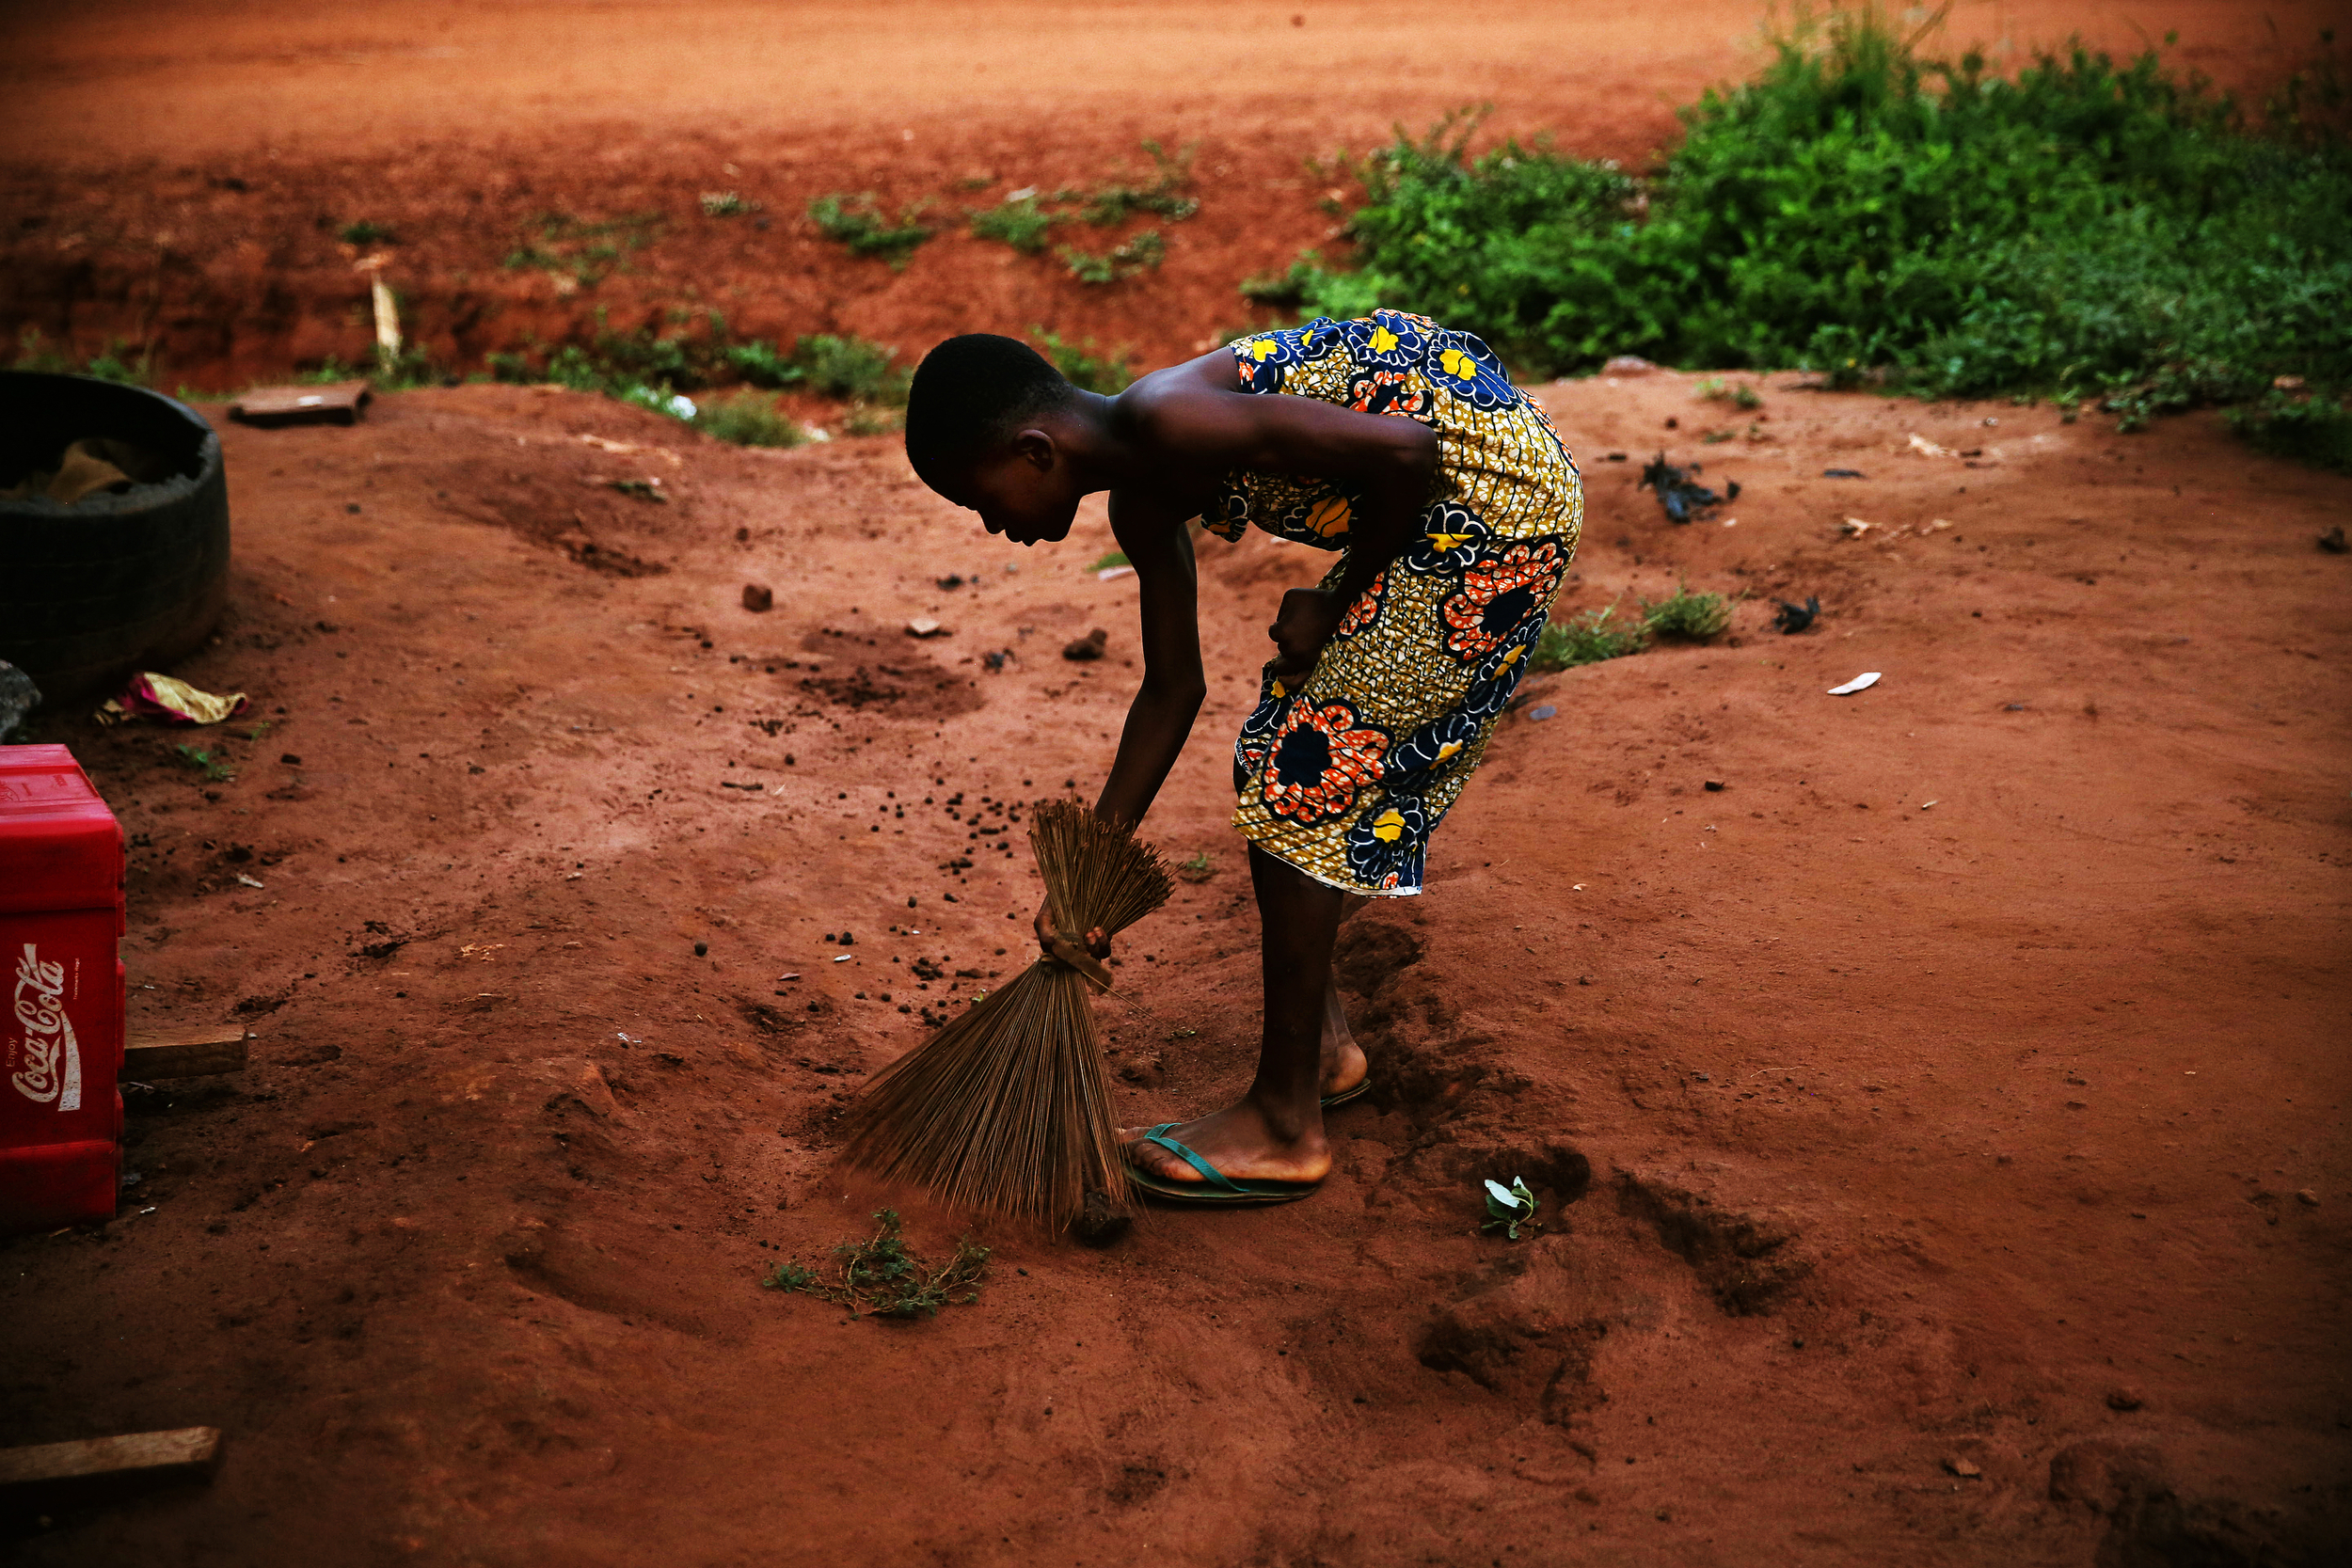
(1920, 1118)
(180, 174)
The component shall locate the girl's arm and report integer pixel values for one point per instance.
(1194, 422)
(1150, 529)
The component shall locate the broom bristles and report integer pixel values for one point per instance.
(1007, 1107)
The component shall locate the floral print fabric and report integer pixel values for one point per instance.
(1346, 771)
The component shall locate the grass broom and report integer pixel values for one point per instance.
(1008, 1108)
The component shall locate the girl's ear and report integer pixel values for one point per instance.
(1036, 449)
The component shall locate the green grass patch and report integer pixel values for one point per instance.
(858, 223)
(1587, 637)
(214, 768)
(115, 362)
(1082, 367)
(366, 232)
(880, 1277)
(1027, 218)
(1141, 252)
(1693, 617)
(1020, 222)
(2116, 235)
(1117, 558)
(747, 418)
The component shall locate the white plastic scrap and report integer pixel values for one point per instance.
(1862, 682)
(247, 881)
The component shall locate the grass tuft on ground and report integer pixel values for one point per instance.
(880, 1276)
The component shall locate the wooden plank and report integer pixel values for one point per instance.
(339, 404)
(185, 1052)
(97, 1468)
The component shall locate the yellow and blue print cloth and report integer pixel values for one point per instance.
(1344, 773)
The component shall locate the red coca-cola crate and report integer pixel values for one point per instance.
(61, 1032)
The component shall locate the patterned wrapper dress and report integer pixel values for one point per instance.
(1346, 773)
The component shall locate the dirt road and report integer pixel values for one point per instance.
(183, 178)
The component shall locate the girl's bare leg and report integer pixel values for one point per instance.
(1275, 1130)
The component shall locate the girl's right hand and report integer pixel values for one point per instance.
(1096, 943)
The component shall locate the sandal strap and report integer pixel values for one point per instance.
(1215, 1179)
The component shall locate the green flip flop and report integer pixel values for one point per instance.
(1354, 1091)
(1214, 1189)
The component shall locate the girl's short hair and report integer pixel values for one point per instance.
(969, 394)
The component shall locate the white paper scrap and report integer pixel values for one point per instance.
(1862, 682)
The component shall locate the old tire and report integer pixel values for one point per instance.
(113, 584)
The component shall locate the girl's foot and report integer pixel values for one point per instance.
(1242, 1143)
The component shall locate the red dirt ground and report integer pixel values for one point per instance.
(1922, 1118)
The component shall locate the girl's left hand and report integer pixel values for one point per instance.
(1304, 624)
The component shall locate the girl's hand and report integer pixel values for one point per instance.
(1096, 943)
(1304, 624)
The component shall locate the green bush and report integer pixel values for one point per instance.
(2316, 430)
(2086, 229)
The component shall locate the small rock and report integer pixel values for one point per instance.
(1714, 787)
(1090, 646)
(702, 949)
(2307, 1198)
(923, 626)
(2124, 1398)
(2334, 543)
(758, 597)
(1537, 715)
(290, 759)
(1626, 364)
(1962, 1468)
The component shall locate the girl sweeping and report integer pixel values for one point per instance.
(1454, 509)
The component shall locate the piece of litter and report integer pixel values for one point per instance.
(1925, 805)
(794, 975)
(1925, 448)
(340, 403)
(1731, 522)
(1854, 528)
(170, 701)
(925, 627)
(1537, 714)
(1577, 888)
(1862, 682)
(627, 1040)
(1843, 473)
(249, 881)
(1793, 618)
(841, 958)
(1109, 573)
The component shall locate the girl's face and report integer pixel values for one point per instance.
(1025, 491)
